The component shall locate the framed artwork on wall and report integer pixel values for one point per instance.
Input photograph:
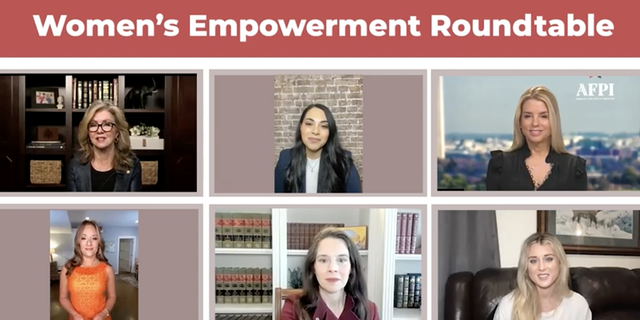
(601, 232)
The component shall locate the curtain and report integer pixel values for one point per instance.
(467, 241)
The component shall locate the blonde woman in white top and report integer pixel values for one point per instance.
(542, 291)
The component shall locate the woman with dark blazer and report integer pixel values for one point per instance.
(333, 282)
(105, 162)
(537, 159)
(316, 163)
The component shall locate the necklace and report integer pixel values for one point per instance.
(314, 165)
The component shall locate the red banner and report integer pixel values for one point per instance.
(333, 28)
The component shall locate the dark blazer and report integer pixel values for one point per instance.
(352, 184)
(322, 312)
(79, 177)
(507, 171)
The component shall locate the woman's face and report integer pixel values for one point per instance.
(543, 267)
(89, 241)
(314, 129)
(332, 266)
(535, 123)
(103, 136)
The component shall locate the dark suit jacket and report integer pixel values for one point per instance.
(352, 184)
(79, 177)
(322, 312)
(507, 171)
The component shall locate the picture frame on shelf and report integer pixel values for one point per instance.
(44, 97)
(594, 232)
(358, 235)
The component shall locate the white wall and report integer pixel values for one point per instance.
(112, 234)
(514, 226)
(63, 243)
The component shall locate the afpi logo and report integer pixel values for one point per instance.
(595, 90)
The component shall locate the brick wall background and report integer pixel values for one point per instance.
(342, 94)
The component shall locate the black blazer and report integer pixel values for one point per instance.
(507, 171)
(352, 184)
(79, 177)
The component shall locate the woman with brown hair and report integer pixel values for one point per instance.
(333, 282)
(543, 290)
(537, 159)
(87, 276)
(105, 161)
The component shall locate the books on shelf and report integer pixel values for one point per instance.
(408, 291)
(407, 233)
(85, 92)
(240, 285)
(243, 230)
(300, 235)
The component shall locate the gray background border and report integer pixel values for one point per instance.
(34, 304)
(364, 72)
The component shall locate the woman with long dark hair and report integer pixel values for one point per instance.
(333, 282)
(87, 281)
(316, 163)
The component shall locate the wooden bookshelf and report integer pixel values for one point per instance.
(381, 259)
(173, 109)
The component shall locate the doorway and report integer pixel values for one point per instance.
(125, 258)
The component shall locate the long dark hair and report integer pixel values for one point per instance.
(77, 252)
(356, 286)
(334, 163)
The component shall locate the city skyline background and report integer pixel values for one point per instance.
(476, 116)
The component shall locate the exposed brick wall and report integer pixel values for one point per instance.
(342, 94)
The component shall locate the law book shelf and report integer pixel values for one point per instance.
(36, 126)
(259, 249)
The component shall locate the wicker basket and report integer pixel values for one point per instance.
(149, 172)
(45, 171)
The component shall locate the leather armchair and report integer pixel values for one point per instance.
(612, 293)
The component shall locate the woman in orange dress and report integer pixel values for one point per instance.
(87, 287)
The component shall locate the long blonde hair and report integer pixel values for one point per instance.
(77, 251)
(122, 159)
(526, 302)
(544, 95)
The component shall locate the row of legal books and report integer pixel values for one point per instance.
(243, 316)
(300, 235)
(46, 145)
(244, 285)
(243, 230)
(85, 92)
(407, 233)
(408, 291)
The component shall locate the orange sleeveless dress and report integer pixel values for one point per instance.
(88, 290)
